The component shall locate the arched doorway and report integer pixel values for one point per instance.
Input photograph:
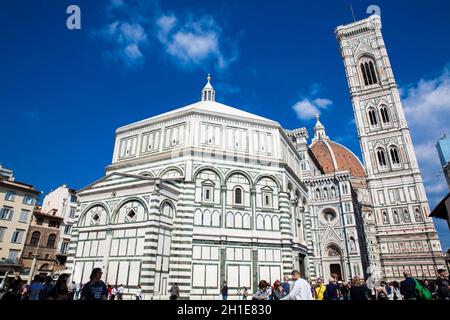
(333, 264)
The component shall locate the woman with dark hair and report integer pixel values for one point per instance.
(95, 289)
(277, 292)
(60, 291)
(262, 293)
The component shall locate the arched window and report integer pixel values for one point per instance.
(418, 215)
(215, 219)
(198, 217)
(246, 221)
(384, 114)
(373, 117)
(396, 217)
(406, 216)
(167, 210)
(381, 158)
(318, 194)
(51, 240)
(259, 222)
(230, 220)
(394, 155)
(267, 223)
(206, 218)
(238, 220)
(35, 238)
(275, 223)
(325, 192)
(352, 244)
(385, 218)
(238, 195)
(333, 191)
(368, 71)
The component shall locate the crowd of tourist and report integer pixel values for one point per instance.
(296, 288)
(358, 289)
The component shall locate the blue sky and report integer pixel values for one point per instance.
(64, 92)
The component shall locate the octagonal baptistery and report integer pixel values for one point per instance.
(196, 196)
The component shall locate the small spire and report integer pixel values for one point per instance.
(208, 93)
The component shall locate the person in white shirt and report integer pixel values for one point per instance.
(301, 290)
(120, 292)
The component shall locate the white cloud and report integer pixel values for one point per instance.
(127, 41)
(427, 110)
(190, 40)
(307, 108)
(193, 42)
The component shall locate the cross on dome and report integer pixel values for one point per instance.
(208, 93)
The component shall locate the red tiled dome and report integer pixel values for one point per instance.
(335, 157)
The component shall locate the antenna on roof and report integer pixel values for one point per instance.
(353, 13)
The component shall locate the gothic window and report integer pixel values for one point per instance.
(406, 216)
(267, 223)
(385, 218)
(259, 222)
(275, 223)
(35, 238)
(373, 117)
(317, 193)
(394, 155)
(368, 71)
(333, 191)
(344, 188)
(381, 158)
(384, 114)
(418, 215)
(325, 193)
(238, 195)
(51, 240)
(396, 217)
(230, 220)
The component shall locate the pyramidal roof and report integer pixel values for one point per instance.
(207, 107)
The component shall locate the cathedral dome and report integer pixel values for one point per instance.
(333, 156)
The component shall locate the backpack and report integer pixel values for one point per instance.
(422, 291)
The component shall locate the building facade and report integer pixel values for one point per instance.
(17, 202)
(64, 202)
(443, 149)
(209, 193)
(405, 233)
(40, 249)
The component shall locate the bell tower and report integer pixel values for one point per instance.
(406, 235)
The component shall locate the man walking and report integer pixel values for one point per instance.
(224, 291)
(301, 290)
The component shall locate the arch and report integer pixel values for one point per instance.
(83, 215)
(230, 220)
(275, 223)
(396, 216)
(206, 168)
(352, 243)
(171, 168)
(333, 191)
(44, 267)
(259, 222)
(267, 222)
(384, 114)
(146, 174)
(271, 177)
(318, 194)
(238, 223)
(325, 193)
(406, 216)
(418, 215)
(238, 195)
(215, 218)
(207, 218)
(395, 158)
(333, 250)
(385, 217)
(198, 217)
(373, 116)
(35, 237)
(381, 156)
(51, 241)
(246, 221)
(167, 209)
(367, 69)
(119, 206)
(245, 174)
